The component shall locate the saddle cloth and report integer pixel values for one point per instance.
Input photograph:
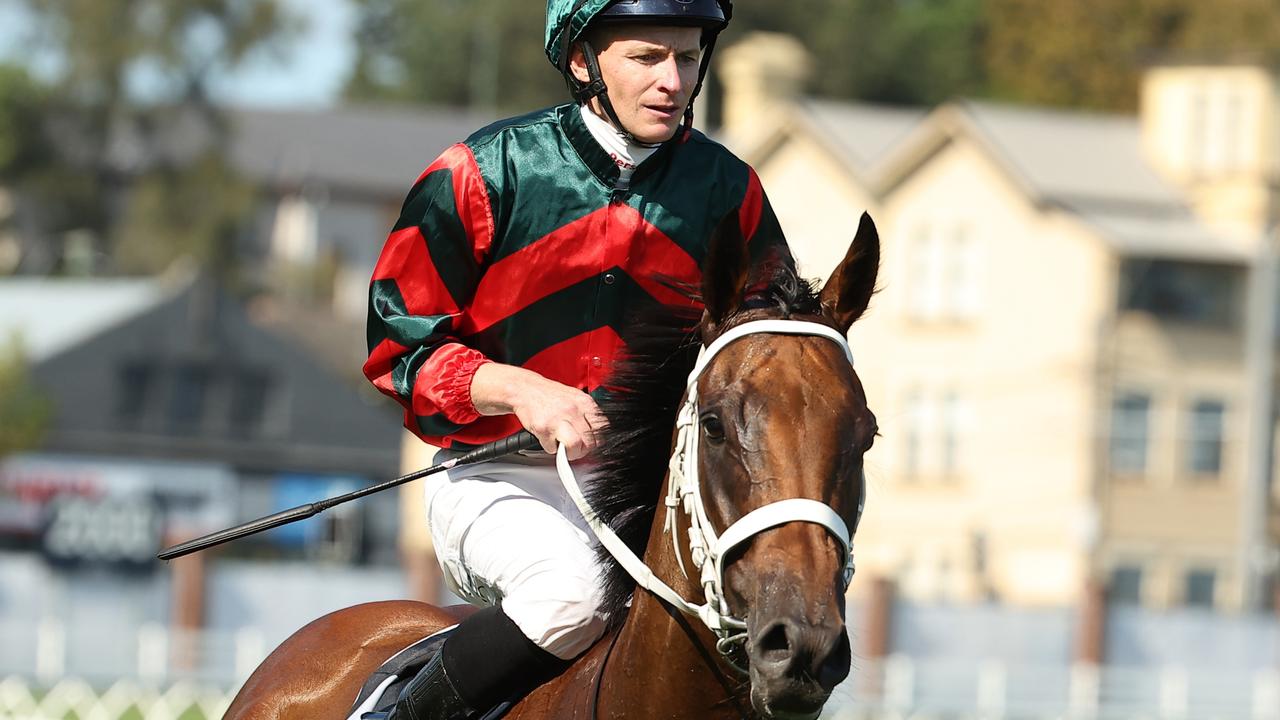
(382, 689)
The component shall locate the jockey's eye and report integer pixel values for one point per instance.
(712, 427)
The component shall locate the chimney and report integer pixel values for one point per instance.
(763, 75)
(1214, 129)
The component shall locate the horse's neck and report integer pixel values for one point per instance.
(665, 662)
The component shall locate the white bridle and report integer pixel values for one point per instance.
(707, 549)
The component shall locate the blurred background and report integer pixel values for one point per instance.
(1072, 510)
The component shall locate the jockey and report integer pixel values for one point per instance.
(496, 306)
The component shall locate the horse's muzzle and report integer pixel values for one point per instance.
(795, 664)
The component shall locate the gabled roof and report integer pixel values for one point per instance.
(1088, 164)
(83, 308)
(1063, 157)
(863, 132)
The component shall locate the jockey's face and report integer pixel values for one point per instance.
(650, 72)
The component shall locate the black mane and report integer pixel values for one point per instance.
(644, 395)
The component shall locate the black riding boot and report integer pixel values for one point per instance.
(485, 662)
(430, 695)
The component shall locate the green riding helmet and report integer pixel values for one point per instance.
(567, 20)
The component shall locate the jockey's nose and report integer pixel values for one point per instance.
(669, 80)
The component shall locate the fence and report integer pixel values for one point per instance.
(21, 699)
(899, 688)
(153, 654)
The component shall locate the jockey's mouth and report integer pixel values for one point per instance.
(666, 111)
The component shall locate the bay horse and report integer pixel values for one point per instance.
(781, 418)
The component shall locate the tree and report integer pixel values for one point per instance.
(912, 52)
(1090, 53)
(138, 69)
(24, 411)
(485, 54)
(488, 53)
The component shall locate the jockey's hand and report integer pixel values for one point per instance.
(556, 414)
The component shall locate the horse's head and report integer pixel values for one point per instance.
(785, 416)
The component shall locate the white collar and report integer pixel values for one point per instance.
(625, 153)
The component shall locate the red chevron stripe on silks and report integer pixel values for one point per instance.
(552, 363)
(613, 236)
(406, 259)
(491, 427)
(560, 360)
(752, 206)
(472, 198)
(380, 364)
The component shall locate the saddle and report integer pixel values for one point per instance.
(379, 693)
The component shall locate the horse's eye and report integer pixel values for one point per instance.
(712, 427)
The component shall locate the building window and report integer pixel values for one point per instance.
(1193, 293)
(1218, 127)
(1206, 438)
(134, 389)
(935, 428)
(1130, 431)
(1125, 586)
(189, 395)
(953, 420)
(917, 417)
(1199, 588)
(249, 399)
(964, 267)
(944, 263)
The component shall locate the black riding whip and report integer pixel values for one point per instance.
(523, 440)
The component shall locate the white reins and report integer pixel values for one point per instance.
(707, 548)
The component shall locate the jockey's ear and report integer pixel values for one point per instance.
(724, 274)
(848, 291)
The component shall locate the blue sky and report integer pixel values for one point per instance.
(310, 73)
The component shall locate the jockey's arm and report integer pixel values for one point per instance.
(555, 413)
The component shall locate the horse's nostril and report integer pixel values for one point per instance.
(774, 644)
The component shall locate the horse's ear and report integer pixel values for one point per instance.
(848, 291)
(724, 274)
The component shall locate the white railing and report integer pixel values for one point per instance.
(163, 674)
(151, 653)
(903, 688)
(21, 699)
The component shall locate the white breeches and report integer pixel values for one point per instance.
(507, 532)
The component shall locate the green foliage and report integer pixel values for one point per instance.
(479, 53)
(22, 145)
(1085, 53)
(916, 52)
(192, 211)
(1090, 53)
(488, 53)
(139, 68)
(24, 411)
(102, 44)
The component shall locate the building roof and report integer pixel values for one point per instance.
(863, 133)
(375, 149)
(1088, 164)
(1068, 156)
(378, 150)
(83, 309)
